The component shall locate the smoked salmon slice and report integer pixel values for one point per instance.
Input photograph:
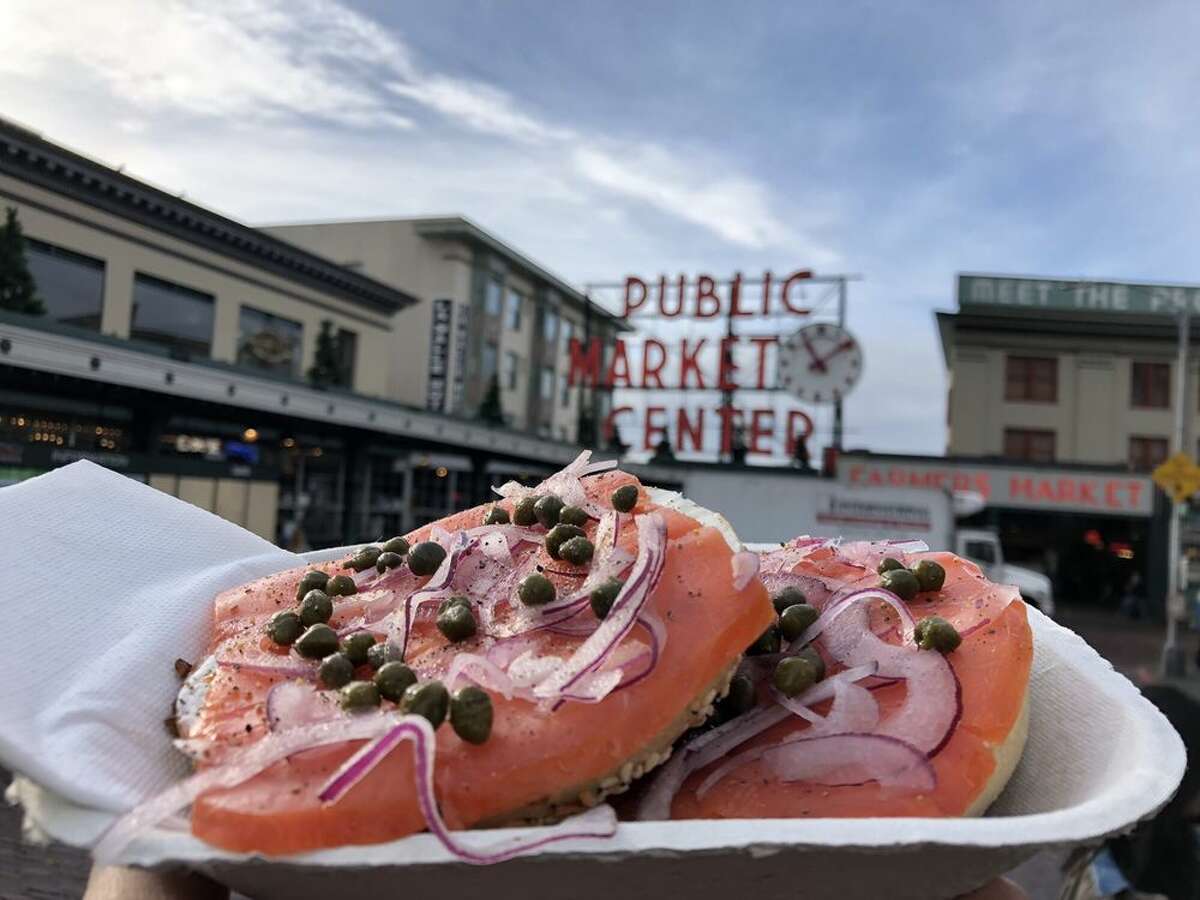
(566, 731)
(850, 752)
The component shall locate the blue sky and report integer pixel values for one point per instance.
(902, 141)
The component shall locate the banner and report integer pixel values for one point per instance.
(439, 355)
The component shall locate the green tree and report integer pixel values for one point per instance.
(326, 369)
(490, 410)
(18, 292)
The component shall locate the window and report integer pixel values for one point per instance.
(1151, 385)
(172, 315)
(568, 330)
(564, 390)
(269, 342)
(550, 325)
(70, 284)
(1145, 453)
(512, 366)
(490, 354)
(980, 552)
(347, 345)
(547, 385)
(1030, 445)
(512, 312)
(1031, 378)
(493, 297)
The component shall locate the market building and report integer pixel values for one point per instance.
(1062, 399)
(177, 344)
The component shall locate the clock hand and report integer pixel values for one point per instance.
(817, 364)
(843, 346)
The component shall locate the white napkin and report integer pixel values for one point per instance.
(104, 582)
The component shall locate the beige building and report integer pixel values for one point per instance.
(498, 315)
(176, 346)
(1058, 371)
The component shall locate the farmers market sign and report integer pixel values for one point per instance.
(1077, 295)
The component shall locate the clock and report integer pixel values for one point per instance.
(820, 363)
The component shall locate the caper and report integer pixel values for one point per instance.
(425, 557)
(379, 655)
(767, 642)
(393, 679)
(578, 551)
(471, 714)
(794, 620)
(497, 515)
(360, 695)
(810, 653)
(315, 607)
(523, 513)
(397, 545)
(559, 535)
(364, 559)
(457, 600)
(284, 627)
(625, 497)
(602, 597)
(900, 582)
(930, 575)
(740, 698)
(317, 642)
(341, 586)
(336, 670)
(427, 698)
(547, 510)
(888, 564)
(789, 596)
(311, 580)
(573, 515)
(356, 646)
(935, 633)
(456, 622)
(794, 676)
(387, 560)
(536, 590)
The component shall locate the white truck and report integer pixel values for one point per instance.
(767, 506)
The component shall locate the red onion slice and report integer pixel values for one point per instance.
(598, 822)
(707, 748)
(254, 659)
(844, 604)
(401, 619)
(294, 703)
(591, 654)
(481, 671)
(836, 759)
(745, 567)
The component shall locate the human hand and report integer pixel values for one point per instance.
(119, 883)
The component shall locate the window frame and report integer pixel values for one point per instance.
(1148, 370)
(165, 285)
(1146, 441)
(83, 260)
(493, 300)
(1026, 379)
(546, 378)
(511, 376)
(297, 369)
(1028, 436)
(512, 320)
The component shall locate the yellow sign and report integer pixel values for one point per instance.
(1179, 477)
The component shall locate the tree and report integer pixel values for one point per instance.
(490, 410)
(18, 292)
(326, 369)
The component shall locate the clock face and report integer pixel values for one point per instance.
(820, 363)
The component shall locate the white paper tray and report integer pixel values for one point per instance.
(1100, 757)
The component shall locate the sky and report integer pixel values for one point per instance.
(903, 142)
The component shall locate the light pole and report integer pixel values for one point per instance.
(1174, 662)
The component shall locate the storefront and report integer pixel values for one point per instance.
(1089, 528)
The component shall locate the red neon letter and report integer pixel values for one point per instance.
(653, 432)
(610, 421)
(766, 295)
(681, 284)
(735, 296)
(706, 290)
(727, 414)
(631, 304)
(649, 371)
(690, 363)
(765, 430)
(762, 343)
(585, 367)
(727, 368)
(787, 287)
(695, 433)
(799, 418)
(623, 373)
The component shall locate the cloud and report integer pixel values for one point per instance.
(286, 64)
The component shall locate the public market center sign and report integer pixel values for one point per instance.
(1078, 295)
